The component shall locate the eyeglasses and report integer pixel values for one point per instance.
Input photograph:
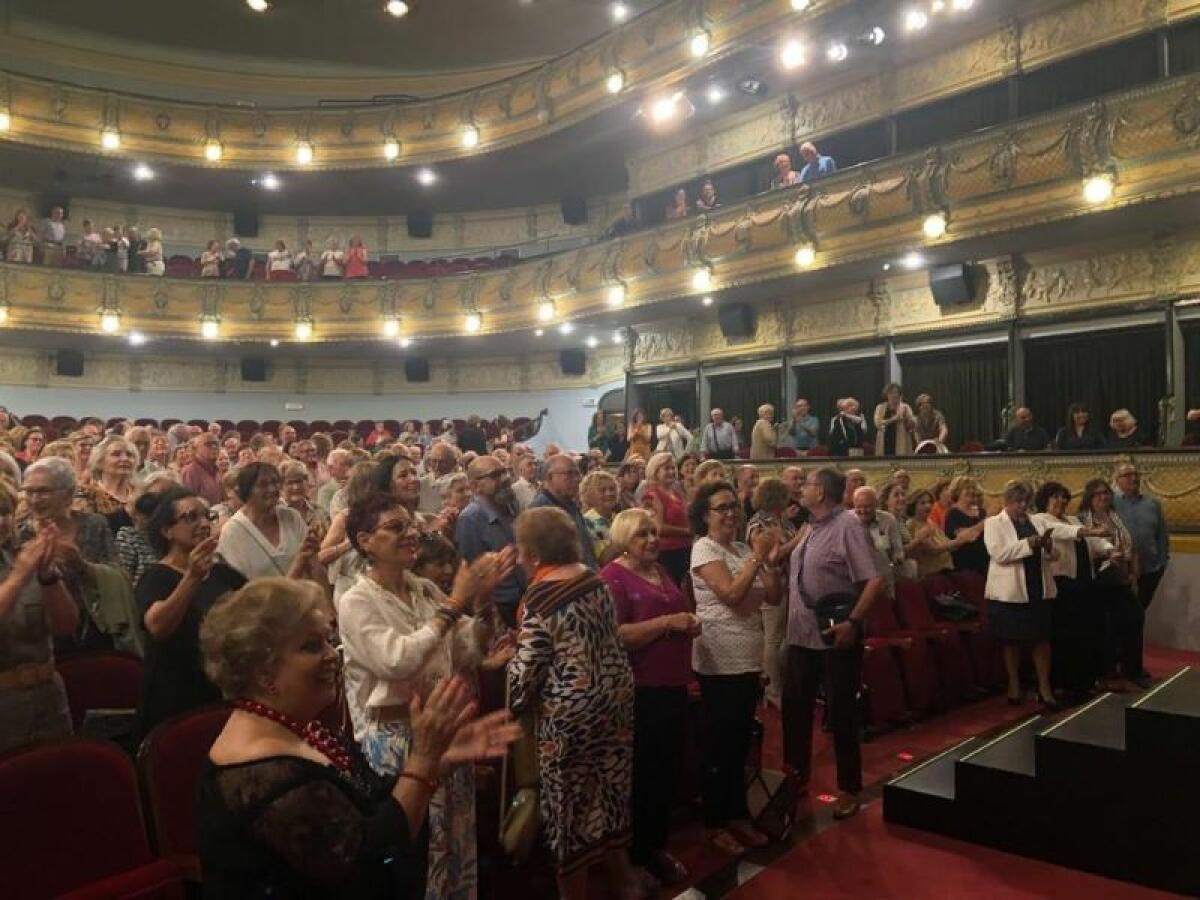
(398, 527)
(724, 508)
(192, 516)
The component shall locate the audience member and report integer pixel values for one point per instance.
(833, 581)
(153, 260)
(355, 259)
(784, 176)
(672, 436)
(487, 526)
(1078, 433)
(135, 256)
(572, 670)
(20, 239)
(687, 473)
(669, 508)
(678, 207)
(883, 531)
(720, 441)
(930, 424)
(847, 429)
(855, 478)
(598, 495)
(279, 261)
(1025, 436)
(561, 489)
(473, 439)
(895, 424)
(265, 539)
(941, 502)
(928, 545)
(296, 493)
(1124, 434)
(112, 465)
(52, 236)
(91, 246)
(793, 479)
(967, 511)
(239, 261)
(804, 429)
(625, 223)
(337, 465)
(333, 260)
(200, 476)
(1144, 518)
(763, 436)
(747, 484)
(707, 200)
(638, 436)
(210, 260)
(770, 500)
(815, 164)
(134, 550)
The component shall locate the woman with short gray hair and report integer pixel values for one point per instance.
(113, 465)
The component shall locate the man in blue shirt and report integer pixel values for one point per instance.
(560, 487)
(805, 428)
(486, 526)
(815, 165)
(1143, 516)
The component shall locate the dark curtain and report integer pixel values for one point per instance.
(1113, 68)
(969, 385)
(1107, 370)
(742, 394)
(823, 384)
(1191, 364)
(679, 396)
(1184, 43)
(952, 117)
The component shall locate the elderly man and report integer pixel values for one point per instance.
(855, 478)
(883, 531)
(805, 428)
(337, 464)
(785, 175)
(1143, 516)
(201, 475)
(52, 234)
(239, 261)
(719, 440)
(561, 488)
(441, 460)
(1025, 436)
(524, 466)
(833, 559)
(793, 478)
(815, 165)
(486, 525)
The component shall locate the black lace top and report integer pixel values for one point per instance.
(286, 827)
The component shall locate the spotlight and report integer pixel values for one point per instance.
(873, 37)
(473, 323)
(566, 328)
(5, 120)
(405, 343)
(110, 321)
(391, 149)
(470, 136)
(961, 5)
(887, 267)
(663, 109)
(269, 182)
(142, 172)
(699, 44)
(937, 6)
(274, 342)
(545, 311)
(391, 326)
(792, 54)
(426, 177)
(615, 295)
(615, 82)
(304, 153)
(706, 300)
(591, 341)
(538, 332)
(837, 52)
(702, 278)
(210, 327)
(618, 338)
(915, 20)
(136, 338)
(303, 329)
(397, 8)
(620, 12)
(934, 226)
(1098, 189)
(3, 313)
(800, 5)
(258, 5)
(714, 94)
(110, 139)
(805, 257)
(213, 151)
(912, 261)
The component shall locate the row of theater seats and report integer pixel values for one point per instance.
(868, 449)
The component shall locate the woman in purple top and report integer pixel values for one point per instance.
(657, 630)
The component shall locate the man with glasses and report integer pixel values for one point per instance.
(1143, 516)
(834, 559)
(486, 526)
(200, 476)
(560, 488)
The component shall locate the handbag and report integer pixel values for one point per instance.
(520, 818)
(831, 610)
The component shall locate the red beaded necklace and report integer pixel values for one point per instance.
(314, 734)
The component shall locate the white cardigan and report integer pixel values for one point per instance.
(1006, 573)
(1065, 562)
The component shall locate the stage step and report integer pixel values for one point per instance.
(1165, 721)
(923, 795)
(1086, 744)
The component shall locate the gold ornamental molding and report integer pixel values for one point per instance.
(1139, 145)
(652, 50)
(1021, 43)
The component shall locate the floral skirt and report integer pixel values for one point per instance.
(453, 871)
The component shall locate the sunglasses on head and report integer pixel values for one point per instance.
(192, 516)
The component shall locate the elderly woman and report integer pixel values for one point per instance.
(707, 472)
(930, 423)
(929, 547)
(847, 429)
(20, 238)
(573, 671)
(1116, 584)
(638, 435)
(333, 260)
(1124, 434)
(135, 552)
(401, 636)
(31, 446)
(657, 630)
(113, 465)
(34, 607)
(1020, 586)
(763, 436)
(343, 562)
(173, 595)
(894, 424)
(662, 498)
(1076, 647)
(82, 445)
(731, 582)
(965, 512)
(288, 809)
(295, 493)
(264, 538)
(81, 539)
(599, 493)
(1079, 433)
(672, 437)
(770, 501)
(687, 473)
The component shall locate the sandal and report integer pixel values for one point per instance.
(726, 842)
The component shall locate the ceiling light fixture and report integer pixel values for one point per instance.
(213, 151)
(837, 52)
(961, 5)
(545, 311)
(805, 257)
(715, 94)
(110, 139)
(874, 37)
(592, 341)
(136, 338)
(699, 44)
(304, 153)
(269, 182)
(274, 342)
(934, 226)
(258, 5)
(473, 323)
(800, 5)
(615, 82)
(210, 327)
(405, 343)
(791, 55)
(706, 300)
(110, 320)
(1098, 189)
(303, 328)
(142, 172)
(5, 120)
(391, 149)
(426, 177)
(937, 6)
(912, 261)
(664, 108)
(620, 12)
(391, 326)
(3, 312)
(470, 136)
(915, 20)
(618, 337)
(702, 278)
(538, 332)
(397, 8)
(566, 328)
(615, 295)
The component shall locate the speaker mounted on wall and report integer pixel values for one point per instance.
(420, 224)
(574, 210)
(738, 321)
(952, 285)
(68, 364)
(572, 362)
(254, 368)
(416, 369)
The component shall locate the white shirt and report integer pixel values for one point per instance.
(391, 648)
(249, 551)
(54, 232)
(524, 492)
(731, 643)
(331, 262)
(279, 261)
(672, 439)
(1065, 561)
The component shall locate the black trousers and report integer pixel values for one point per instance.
(1148, 584)
(1077, 643)
(729, 703)
(659, 730)
(1124, 620)
(841, 673)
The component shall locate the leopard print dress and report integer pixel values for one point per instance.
(571, 668)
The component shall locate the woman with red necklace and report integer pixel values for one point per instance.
(289, 809)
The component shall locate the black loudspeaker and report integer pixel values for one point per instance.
(254, 368)
(420, 224)
(416, 368)
(68, 363)
(574, 210)
(951, 285)
(572, 362)
(47, 202)
(245, 224)
(737, 320)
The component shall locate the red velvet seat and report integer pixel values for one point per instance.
(950, 655)
(319, 425)
(105, 679)
(247, 428)
(169, 764)
(974, 636)
(301, 427)
(29, 420)
(73, 826)
(199, 423)
(271, 426)
(343, 425)
(971, 447)
(149, 423)
(989, 662)
(819, 450)
(786, 453)
(284, 275)
(338, 436)
(913, 654)
(886, 703)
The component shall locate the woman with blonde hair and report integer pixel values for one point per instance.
(113, 464)
(599, 493)
(967, 511)
(663, 499)
(894, 424)
(152, 253)
(210, 260)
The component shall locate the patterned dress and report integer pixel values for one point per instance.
(571, 668)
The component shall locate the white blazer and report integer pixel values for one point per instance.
(1066, 533)
(1006, 573)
